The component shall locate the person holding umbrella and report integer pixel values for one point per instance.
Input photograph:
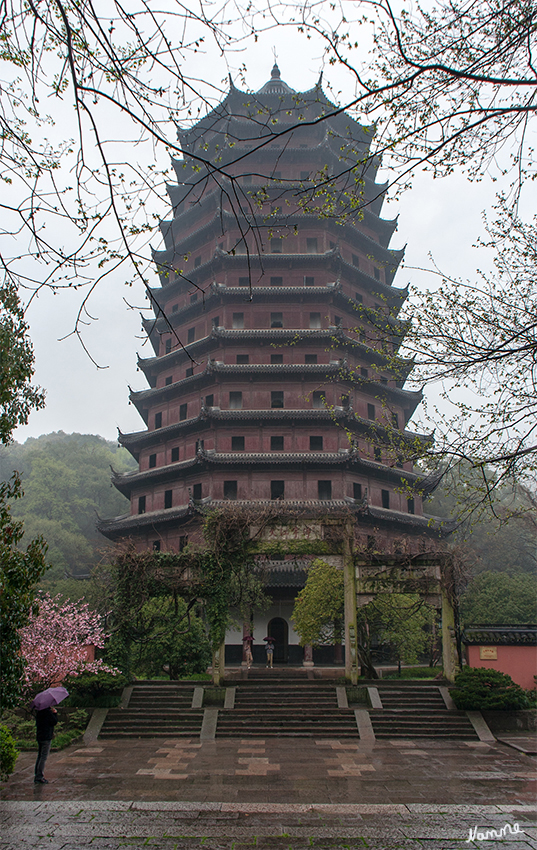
(46, 718)
(248, 657)
(269, 649)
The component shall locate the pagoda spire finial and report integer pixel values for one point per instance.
(275, 73)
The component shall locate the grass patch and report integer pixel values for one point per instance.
(357, 695)
(214, 696)
(197, 677)
(71, 726)
(414, 673)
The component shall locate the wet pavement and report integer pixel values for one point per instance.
(294, 793)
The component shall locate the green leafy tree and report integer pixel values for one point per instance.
(498, 598)
(319, 607)
(18, 397)
(402, 620)
(20, 572)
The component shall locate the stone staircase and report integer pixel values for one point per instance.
(418, 711)
(286, 708)
(155, 710)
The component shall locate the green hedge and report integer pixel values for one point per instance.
(481, 688)
(8, 753)
(95, 690)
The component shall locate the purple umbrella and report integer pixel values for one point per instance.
(269, 638)
(52, 696)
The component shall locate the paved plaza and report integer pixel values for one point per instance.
(291, 794)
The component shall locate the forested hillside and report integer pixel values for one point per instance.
(66, 483)
(499, 546)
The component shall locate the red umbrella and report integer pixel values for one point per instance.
(248, 637)
(269, 638)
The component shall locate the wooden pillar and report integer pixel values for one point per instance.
(351, 625)
(449, 647)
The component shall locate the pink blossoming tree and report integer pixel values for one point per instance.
(58, 641)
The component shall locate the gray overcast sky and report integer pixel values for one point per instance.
(441, 217)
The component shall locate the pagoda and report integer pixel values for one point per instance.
(275, 374)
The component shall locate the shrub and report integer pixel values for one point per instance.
(481, 688)
(8, 753)
(95, 689)
(70, 727)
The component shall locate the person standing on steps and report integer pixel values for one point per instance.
(270, 653)
(45, 721)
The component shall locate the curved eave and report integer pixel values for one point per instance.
(220, 293)
(315, 372)
(335, 337)
(331, 261)
(206, 461)
(129, 525)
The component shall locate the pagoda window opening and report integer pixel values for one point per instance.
(235, 401)
(371, 413)
(410, 506)
(338, 321)
(237, 444)
(141, 504)
(316, 444)
(400, 462)
(230, 490)
(276, 399)
(244, 281)
(356, 490)
(276, 246)
(345, 401)
(197, 262)
(385, 494)
(276, 444)
(209, 400)
(359, 298)
(168, 499)
(356, 261)
(194, 298)
(168, 380)
(240, 247)
(238, 321)
(175, 308)
(309, 281)
(156, 545)
(183, 542)
(183, 411)
(276, 359)
(152, 461)
(276, 281)
(324, 490)
(377, 453)
(310, 359)
(318, 399)
(364, 372)
(315, 320)
(376, 272)
(196, 492)
(311, 245)
(168, 346)
(189, 372)
(276, 320)
(277, 490)
(191, 335)
(332, 245)
(216, 321)
(158, 420)
(175, 454)
(243, 359)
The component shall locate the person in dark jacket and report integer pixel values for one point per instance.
(45, 721)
